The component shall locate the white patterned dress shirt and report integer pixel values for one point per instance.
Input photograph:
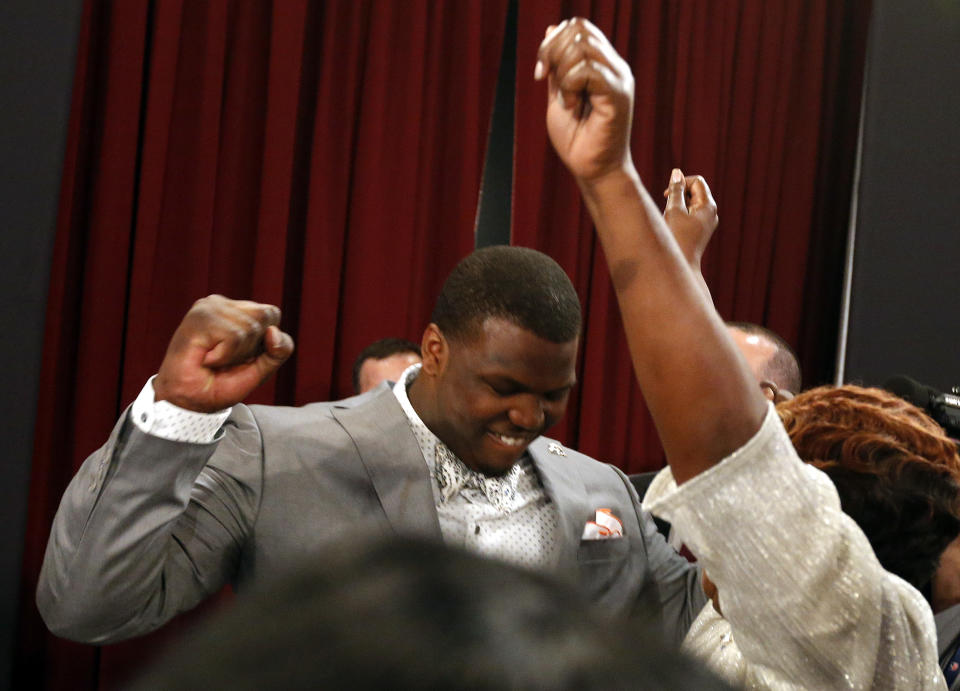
(518, 525)
(165, 420)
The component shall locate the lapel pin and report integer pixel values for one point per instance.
(555, 448)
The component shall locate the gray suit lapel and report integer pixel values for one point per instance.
(389, 452)
(566, 489)
(948, 627)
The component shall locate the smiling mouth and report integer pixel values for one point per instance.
(510, 440)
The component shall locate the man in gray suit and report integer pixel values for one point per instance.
(194, 489)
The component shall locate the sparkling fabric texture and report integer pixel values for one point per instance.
(509, 518)
(806, 604)
(163, 419)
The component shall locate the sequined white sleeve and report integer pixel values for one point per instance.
(806, 603)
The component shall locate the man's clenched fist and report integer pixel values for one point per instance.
(222, 351)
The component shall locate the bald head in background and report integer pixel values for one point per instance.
(770, 358)
(383, 360)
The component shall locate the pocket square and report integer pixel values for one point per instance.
(604, 527)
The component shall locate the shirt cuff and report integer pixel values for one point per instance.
(165, 420)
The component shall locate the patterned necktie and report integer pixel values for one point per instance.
(452, 476)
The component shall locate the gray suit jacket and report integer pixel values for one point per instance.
(948, 631)
(149, 527)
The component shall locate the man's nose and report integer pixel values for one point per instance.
(527, 412)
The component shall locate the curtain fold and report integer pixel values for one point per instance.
(322, 156)
(747, 94)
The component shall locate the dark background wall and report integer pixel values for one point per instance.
(904, 313)
(38, 40)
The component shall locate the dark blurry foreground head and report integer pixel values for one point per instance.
(407, 614)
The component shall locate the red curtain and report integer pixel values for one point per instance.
(322, 156)
(759, 97)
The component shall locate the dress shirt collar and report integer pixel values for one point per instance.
(426, 440)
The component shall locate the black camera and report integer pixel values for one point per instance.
(942, 407)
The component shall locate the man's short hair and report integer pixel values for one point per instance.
(517, 284)
(378, 350)
(783, 368)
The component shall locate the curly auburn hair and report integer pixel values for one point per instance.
(896, 471)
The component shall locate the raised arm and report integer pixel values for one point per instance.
(222, 351)
(691, 215)
(701, 394)
(157, 518)
(795, 623)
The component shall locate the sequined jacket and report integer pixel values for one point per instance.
(806, 604)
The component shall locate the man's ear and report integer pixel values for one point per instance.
(434, 349)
